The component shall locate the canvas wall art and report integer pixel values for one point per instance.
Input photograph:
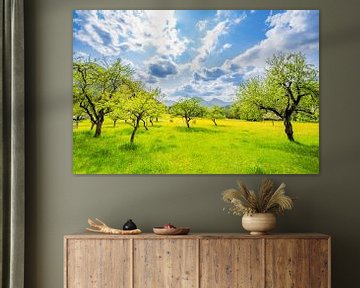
(196, 92)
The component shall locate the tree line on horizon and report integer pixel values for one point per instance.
(288, 91)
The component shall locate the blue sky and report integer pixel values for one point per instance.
(195, 53)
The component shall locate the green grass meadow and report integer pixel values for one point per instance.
(169, 147)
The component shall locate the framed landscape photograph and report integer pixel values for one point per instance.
(196, 92)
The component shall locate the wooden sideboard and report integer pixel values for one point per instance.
(197, 260)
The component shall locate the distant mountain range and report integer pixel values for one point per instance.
(210, 103)
(215, 102)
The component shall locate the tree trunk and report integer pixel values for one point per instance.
(114, 123)
(151, 121)
(144, 123)
(77, 124)
(99, 123)
(187, 122)
(92, 126)
(214, 120)
(98, 128)
(288, 129)
(136, 127)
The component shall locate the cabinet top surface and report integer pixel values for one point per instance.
(87, 235)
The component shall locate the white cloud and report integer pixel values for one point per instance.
(206, 74)
(140, 73)
(209, 42)
(113, 31)
(240, 18)
(201, 25)
(159, 43)
(80, 54)
(215, 89)
(229, 16)
(223, 87)
(225, 19)
(225, 47)
(145, 77)
(290, 31)
(211, 38)
(221, 14)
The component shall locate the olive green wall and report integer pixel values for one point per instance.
(59, 203)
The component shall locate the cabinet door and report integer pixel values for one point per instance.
(320, 263)
(231, 263)
(165, 263)
(287, 263)
(98, 263)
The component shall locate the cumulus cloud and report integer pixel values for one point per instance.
(156, 42)
(227, 46)
(221, 14)
(208, 74)
(290, 31)
(141, 74)
(162, 67)
(223, 87)
(209, 42)
(233, 78)
(186, 91)
(113, 31)
(230, 15)
(225, 19)
(201, 25)
(145, 77)
(240, 18)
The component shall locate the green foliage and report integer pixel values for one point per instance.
(310, 106)
(102, 89)
(290, 77)
(139, 104)
(215, 113)
(78, 114)
(118, 113)
(188, 109)
(250, 94)
(157, 110)
(96, 86)
(289, 88)
(232, 111)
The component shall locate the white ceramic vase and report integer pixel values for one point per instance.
(259, 223)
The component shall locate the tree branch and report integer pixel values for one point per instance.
(288, 90)
(87, 112)
(132, 123)
(83, 89)
(299, 96)
(304, 111)
(277, 113)
(92, 105)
